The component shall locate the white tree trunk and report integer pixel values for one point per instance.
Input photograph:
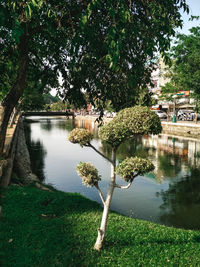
(102, 230)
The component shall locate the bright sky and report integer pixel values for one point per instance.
(194, 6)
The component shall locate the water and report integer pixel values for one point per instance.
(170, 195)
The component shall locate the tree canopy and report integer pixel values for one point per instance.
(186, 67)
(118, 41)
(104, 48)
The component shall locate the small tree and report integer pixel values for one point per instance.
(127, 123)
(170, 94)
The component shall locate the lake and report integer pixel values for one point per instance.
(170, 195)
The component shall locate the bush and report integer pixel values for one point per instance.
(88, 173)
(80, 136)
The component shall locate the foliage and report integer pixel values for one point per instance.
(145, 98)
(130, 167)
(32, 100)
(169, 90)
(80, 136)
(186, 57)
(57, 229)
(59, 106)
(48, 98)
(101, 47)
(140, 120)
(88, 173)
(114, 133)
(129, 122)
(108, 106)
(126, 124)
(116, 46)
(170, 93)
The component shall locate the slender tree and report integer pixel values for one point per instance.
(127, 124)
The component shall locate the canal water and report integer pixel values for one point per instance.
(170, 195)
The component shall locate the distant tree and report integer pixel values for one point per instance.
(170, 94)
(127, 123)
(145, 97)
(48, 98)
(185, 71)
(60, 106)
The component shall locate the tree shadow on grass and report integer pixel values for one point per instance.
(58, 229)
(46, 229)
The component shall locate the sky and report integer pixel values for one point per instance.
(194, 6)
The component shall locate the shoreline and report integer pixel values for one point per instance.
(186, 129)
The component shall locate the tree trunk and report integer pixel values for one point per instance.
(102, 230)
(11, 99)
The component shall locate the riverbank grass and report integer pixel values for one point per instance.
(53, 228)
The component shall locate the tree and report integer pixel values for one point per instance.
(170, 93)
(59, 106)
(145, 98)
(128, 123)
(33, 35)
(119, 40)
(186, 61)
(103, 47)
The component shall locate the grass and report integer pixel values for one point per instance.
(42, 228)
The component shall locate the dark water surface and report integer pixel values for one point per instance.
(170, 195)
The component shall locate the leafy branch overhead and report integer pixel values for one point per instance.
(105, 47)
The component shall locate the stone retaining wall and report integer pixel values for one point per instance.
(181, 129)
(6, 165)
(187, 129)
(16, 157)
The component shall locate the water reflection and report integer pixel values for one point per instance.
(181, 202)
(170, 195)
(37, 153)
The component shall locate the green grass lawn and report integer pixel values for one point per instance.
(42, 228)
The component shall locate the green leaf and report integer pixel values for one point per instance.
(84, 19)
(34, 3)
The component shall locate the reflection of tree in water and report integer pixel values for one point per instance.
(169, 165)
(132, 147)
(49, 124)
(181, 202)
(37, 153)
(65, 125)
(46, 125)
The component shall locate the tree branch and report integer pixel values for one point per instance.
(100, 193)
(39, 59)
(36, 30)
(100, 153)
(126, 186)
